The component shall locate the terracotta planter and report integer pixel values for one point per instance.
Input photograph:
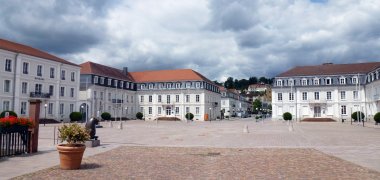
(70, 156)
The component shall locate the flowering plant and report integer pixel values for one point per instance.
(12, 121)
(73, 134)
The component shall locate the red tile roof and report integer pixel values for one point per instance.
(102, 70)
(168, 75)
(24, 49)
(331, 69)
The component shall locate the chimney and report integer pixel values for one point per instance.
(125, 70)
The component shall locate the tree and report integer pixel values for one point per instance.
(252, 80)
(106, 116)
(189, 116)
(11, 113)
(358, 115)
(229, 84)
(257, 104)
(75, 116)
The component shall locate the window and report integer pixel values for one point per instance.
(8, 65)
(342, 80)
(159, 110)
(62, 92)
(197, 110)
(121, 84)
(38, 88)
(52, 72)
(197, 84)
(354, 80)
(51, 90)
(63, 74)
(355, 94)
(102, 96)
(25, 68)
(39, 70)
(159, 98)
(141, 98)
(73, 76)
(115, 83)
(6, 105)
(96, 79)
(176, 98)
(61, 108)
(343, 109)
(187, 98)
(109, 96)
(71, 108)
(24, 87)
(168, 99)
(188, 85)
(177, 85)
(328, 95)
(150, 110)
(150, 86)
(187, 109)
(304, 96)
(316, 81)
(279, 96)
(177, 110)
(102, 80)
(168, 85)
(291, 96)
(150, 98)
(131, 99)
(279, 82)
(109, 82)
(342, 94)
(316, 95)
(304, 82)
(23, 108)
(7, 85)
(50, 108)
(328, 81)
(197, 98)
(142, 86)
(72, 92)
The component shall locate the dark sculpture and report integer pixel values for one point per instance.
(90, 126)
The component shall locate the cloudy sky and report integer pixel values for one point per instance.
(218, 38)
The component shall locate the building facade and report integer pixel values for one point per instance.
(232, 103)
(28, 73)
(327, 91)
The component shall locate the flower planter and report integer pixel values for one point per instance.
(70, 156)
(13, 128)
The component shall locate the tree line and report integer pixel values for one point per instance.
(240, 84)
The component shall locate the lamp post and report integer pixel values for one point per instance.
(210, 114)
(81, 107)
(45, 114)
(126, 113)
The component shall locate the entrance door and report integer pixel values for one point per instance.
(168, 111)
(317, 111)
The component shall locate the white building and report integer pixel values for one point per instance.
(327, 91)
(157, 94)
(173, 93)
(28, 73)
(106, 89)
(261, 87)
(232, 103)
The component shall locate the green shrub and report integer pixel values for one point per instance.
(257, 117)
(73, 134)
(226, 116)
(189, 116)
(139, 115)
(75, 116)
(106, 116)
(357, 114)
(377, 117)
(287, 116)
(11, 113)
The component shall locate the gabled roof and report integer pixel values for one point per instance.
(331, 69)
(102, 70)
(24, 49)
(168, 75)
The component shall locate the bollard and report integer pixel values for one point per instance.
(120, 125)
(245, 129)
(111, 125)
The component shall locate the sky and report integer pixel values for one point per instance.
(218, 38)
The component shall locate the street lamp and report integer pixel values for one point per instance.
(126, 113)
(45, 114)
(210, 114)
(81, 107)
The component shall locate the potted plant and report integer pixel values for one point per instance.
(71, 153)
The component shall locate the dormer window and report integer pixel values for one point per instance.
(121, 84)
(316, 81)
(178, 85)
(95, 79)
(342, 80)
(188, 85)
(127, 84)
(197, 84)
(279, 82)
(115, 83)
(150, 86)
(328, 81)
(102, 80)
(109, 82)
(355, 80)
(168, 85)
(142, 86)
(304, 82)
(291, 82)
